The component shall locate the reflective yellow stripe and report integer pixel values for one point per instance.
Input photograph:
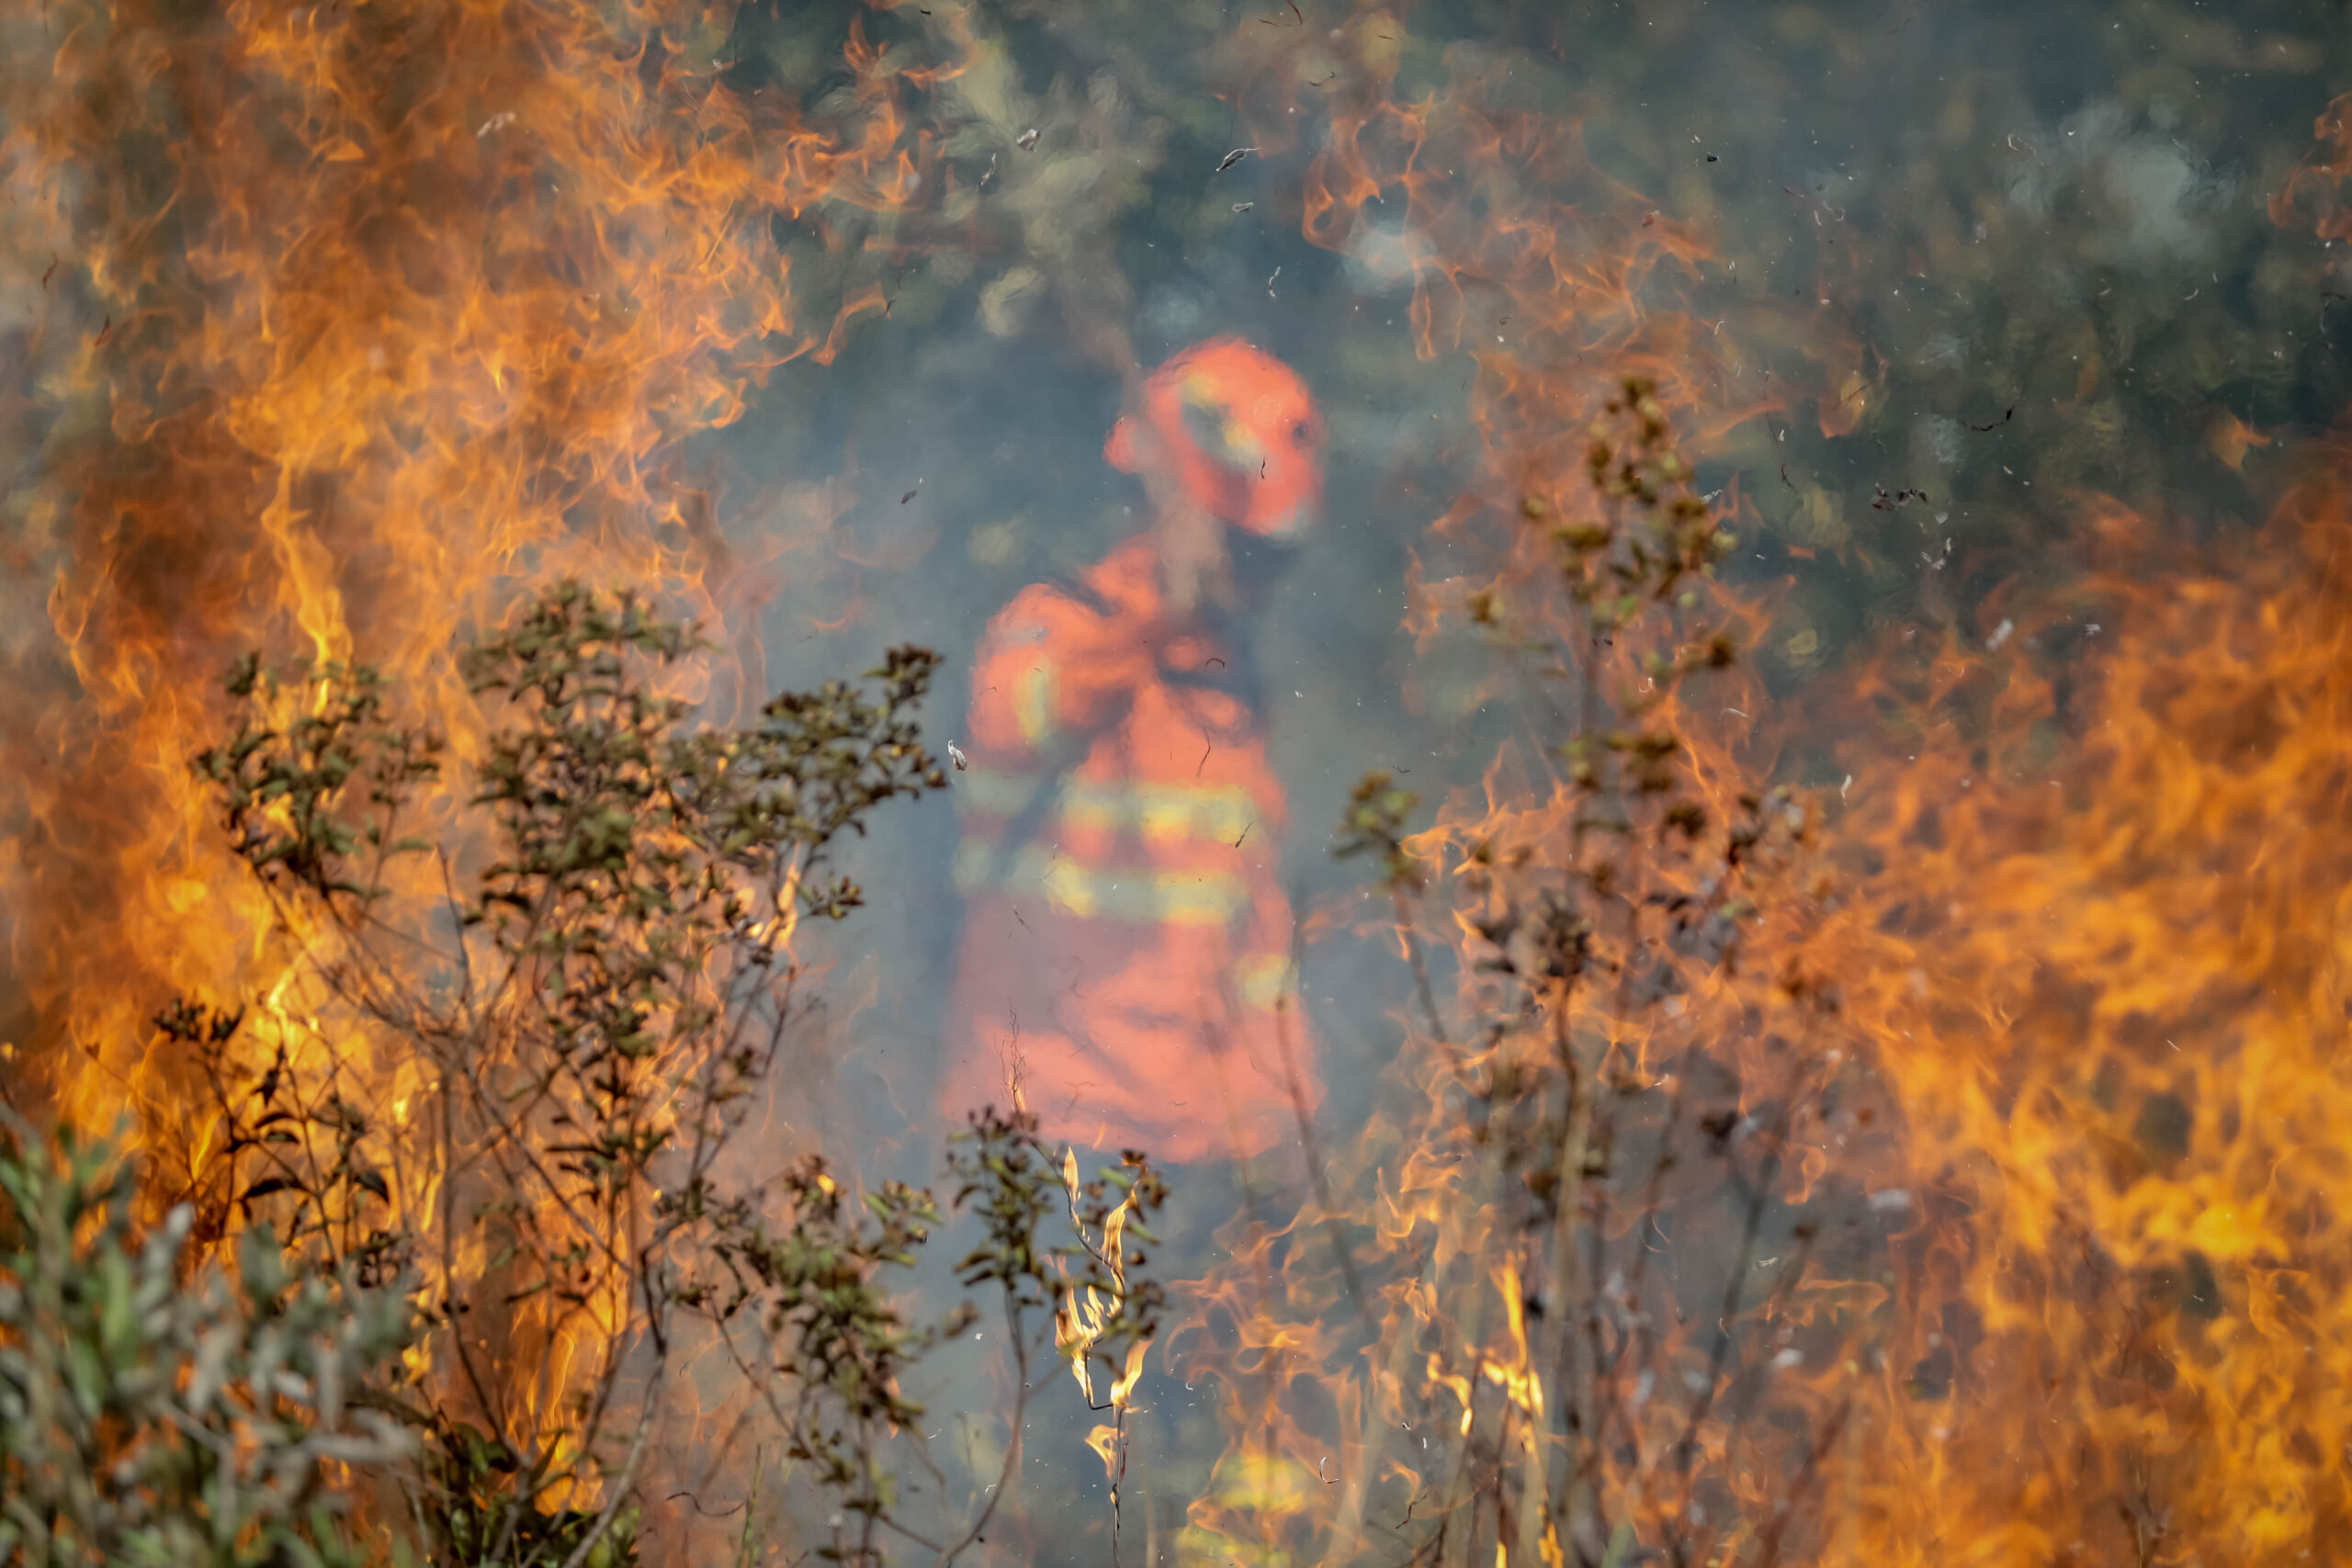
(1033, 702)
(1117, 893)
(1263, 977)
(1160, 812)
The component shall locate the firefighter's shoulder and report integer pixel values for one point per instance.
(1116, 596)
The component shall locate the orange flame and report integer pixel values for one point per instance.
(2053, 1047)
(1084, 1317)
(2100, 982)
(1350, 1393)
(365, 320)
(406, 306)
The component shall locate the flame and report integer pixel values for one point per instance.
(2089, 930)
(1369, 1354)
(363, 321)
(363, 318)
(408, 306)
(2039, 1020)
(2106, 992)
(1081, 1317)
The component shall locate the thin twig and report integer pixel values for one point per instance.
(1341, 1252)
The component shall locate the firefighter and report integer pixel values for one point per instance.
(1126, 943)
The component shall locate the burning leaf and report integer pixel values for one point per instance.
(2230, 438)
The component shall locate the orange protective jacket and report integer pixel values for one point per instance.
(1126, 940)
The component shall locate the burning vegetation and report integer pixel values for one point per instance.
(1861, 1089)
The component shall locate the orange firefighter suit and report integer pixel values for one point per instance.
(1126, 940)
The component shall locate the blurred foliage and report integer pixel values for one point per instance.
(156, 1410)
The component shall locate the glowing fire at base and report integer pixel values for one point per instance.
(2101, 980)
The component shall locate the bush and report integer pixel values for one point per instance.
(147, 1417)
(516, 1028)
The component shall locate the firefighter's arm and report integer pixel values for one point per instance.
(1050, 670)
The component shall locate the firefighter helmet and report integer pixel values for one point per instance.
(1237, 429)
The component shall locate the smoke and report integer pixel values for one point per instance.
(2146, 199)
